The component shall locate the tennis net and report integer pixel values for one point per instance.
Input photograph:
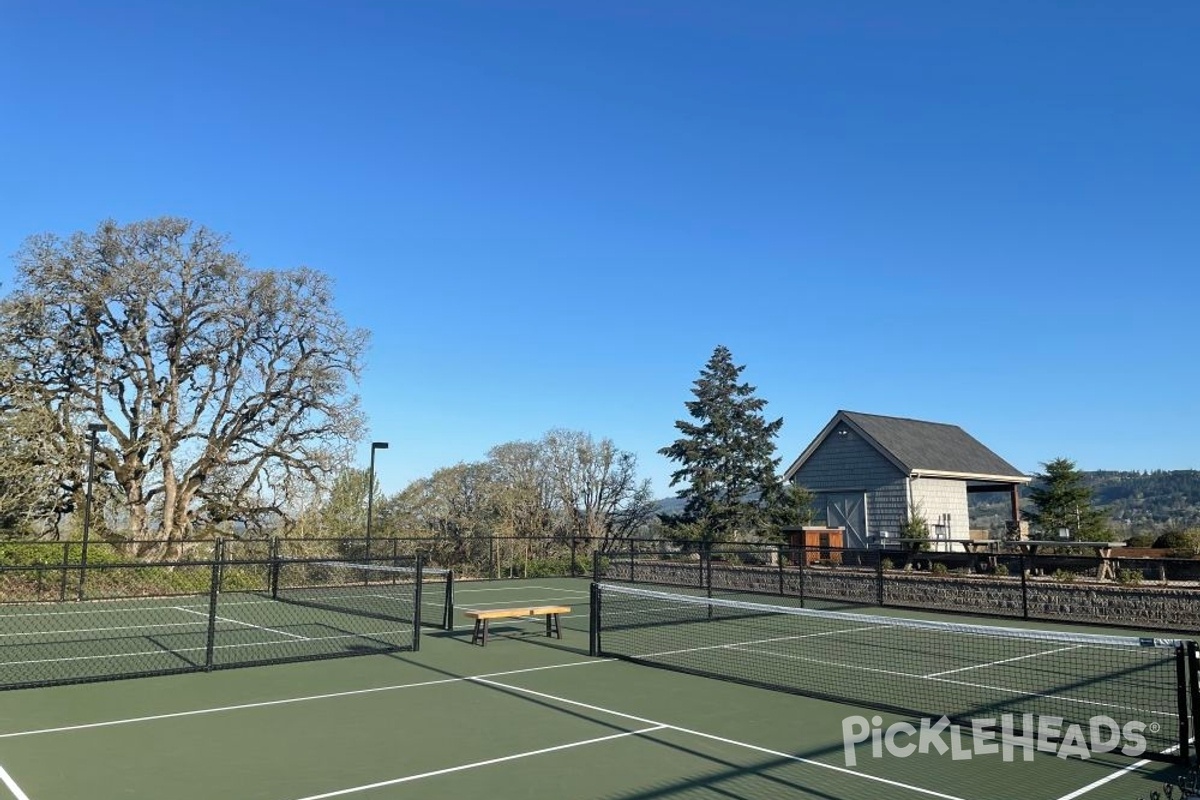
(386, 592)
(964, 672)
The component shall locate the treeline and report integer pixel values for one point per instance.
(567, 484)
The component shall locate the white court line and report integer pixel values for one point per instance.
(488, 762)
(239, 622)
(105, 630)
(860, 668)
(1003, 661)
(12, 785)
(291, 700)
(715, 738)
(92, 611)
(742, 645)
(533, 602)
(1106, 779)
(1110, 778)
(179, 650)
(457, 590)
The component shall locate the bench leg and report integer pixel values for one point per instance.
(553, 628)
(479, 635)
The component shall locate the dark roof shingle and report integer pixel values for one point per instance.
(931, 446)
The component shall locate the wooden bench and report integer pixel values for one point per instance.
(553, 628)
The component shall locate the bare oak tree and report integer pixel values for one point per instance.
(220, 387)
(598, 487)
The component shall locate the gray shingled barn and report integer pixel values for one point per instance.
(868, 473)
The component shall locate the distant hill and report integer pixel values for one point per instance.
(669, 505)
(1135, 502)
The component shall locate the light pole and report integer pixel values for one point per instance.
(371, 491)
(94, 429)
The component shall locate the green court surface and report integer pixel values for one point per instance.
(524, 717)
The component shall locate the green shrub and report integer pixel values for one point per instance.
(1063, 576)
(1141, 540)
(938, 568)
(886, 564)
(916, 527)
(1184, 543)
(1129, 577)
(1001, 570)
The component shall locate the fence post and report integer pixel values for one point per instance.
(273, 568)
(800, 568)
(632, 579)
(214, 588)
(879, 576)
(779, 561)
(66, 557)
(417, 604)
(572, 572)
(1024, 587)
(594, 619)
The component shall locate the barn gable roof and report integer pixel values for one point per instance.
(918, 447)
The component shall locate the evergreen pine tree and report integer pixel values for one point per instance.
(726, 456)
(1062, 500)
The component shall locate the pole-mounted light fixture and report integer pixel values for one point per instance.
(371, 491)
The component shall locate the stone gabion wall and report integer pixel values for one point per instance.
(1159, 607)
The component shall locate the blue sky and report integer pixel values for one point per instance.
(549, 213)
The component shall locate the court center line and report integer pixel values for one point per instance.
(1121, 773)
(290, 700)
(488, 762)
(715, 738)
(12, 785)
(239, 622)
(1003, 661)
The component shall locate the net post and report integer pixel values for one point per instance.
(214, 589)
(594, 620)
(1193, 678)
(416, 644)
(1024, 587)
(448, 605)
(1181, 695)
(596, 566)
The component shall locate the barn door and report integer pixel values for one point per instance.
(849, 511)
